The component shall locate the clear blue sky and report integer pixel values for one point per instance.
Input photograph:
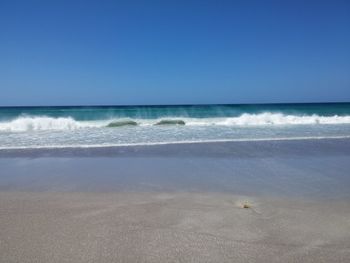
(173, 52)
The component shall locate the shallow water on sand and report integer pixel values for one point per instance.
(301, 169)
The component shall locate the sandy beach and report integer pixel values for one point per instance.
(178, 203)
(170, 227)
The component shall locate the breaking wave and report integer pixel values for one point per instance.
(282, 119)
(28, 123)
(43, 123)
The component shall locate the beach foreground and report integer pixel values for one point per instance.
(170, 227)
(178, 203)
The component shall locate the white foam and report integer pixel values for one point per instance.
(271, 119)
(43, 123)
(88, 146)
(28, 123)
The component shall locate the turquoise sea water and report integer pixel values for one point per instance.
(35, 127)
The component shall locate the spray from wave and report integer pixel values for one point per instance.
(42, 123)
(282, 119)
(27, 123)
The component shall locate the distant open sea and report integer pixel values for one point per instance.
(103, 126)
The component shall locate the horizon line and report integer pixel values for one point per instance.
(173, 105)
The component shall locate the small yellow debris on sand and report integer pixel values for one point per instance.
(246, 205)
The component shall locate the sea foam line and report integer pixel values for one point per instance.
(91, 146)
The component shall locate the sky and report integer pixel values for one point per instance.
(173, 52)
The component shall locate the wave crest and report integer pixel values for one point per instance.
(41, 124)
(171, 122)
(121, 123)
(282, 119)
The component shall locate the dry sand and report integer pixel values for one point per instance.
(170, 227)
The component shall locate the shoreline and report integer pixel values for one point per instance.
(336, 144)
(316, 169)
(97, 146)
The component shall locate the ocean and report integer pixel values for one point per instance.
(104, 126)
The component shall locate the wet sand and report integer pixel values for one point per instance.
(180, 203)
